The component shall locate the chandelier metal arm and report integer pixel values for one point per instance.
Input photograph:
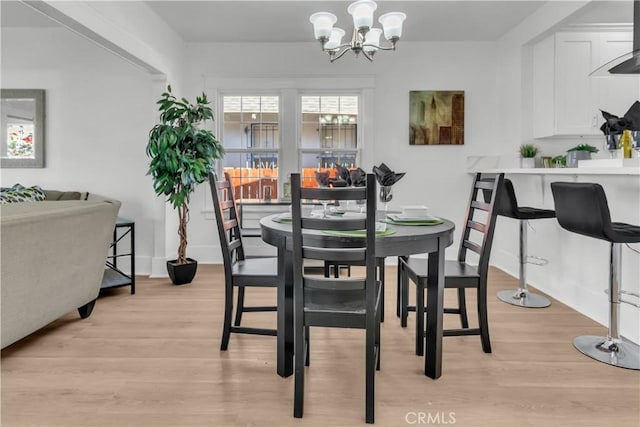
(368, 56)
(333, 56)
(337, 48)
(380, 47)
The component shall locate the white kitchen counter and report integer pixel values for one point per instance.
(563, 171)
(510, 165)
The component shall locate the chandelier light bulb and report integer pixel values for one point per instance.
(362, 12)
(335, 40)
(322, 24)
(392, 24)
(372, 40)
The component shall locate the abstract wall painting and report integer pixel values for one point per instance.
(436, 117)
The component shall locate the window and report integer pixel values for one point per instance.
(251, 139)
(269, 136)
(329, 134)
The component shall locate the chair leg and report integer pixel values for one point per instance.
(228, 308)
(419, 318)
(483, 319)
(307, 356)
(404, 296)
(239, 306)
(380, 263)
(298, 366)
(462, 306)
(370, 374)
(398, 290)
(378, 339)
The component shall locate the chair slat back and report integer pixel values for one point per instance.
(227, 220)
(483, 223)
(468, 244)
(308, 241)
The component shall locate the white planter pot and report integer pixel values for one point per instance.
(527, 162)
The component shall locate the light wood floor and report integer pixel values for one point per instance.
(153, 359)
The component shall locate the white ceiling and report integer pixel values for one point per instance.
(288, 21)
(16, 14)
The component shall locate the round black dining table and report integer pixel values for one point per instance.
(406, 240)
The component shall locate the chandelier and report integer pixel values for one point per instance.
(365, 39)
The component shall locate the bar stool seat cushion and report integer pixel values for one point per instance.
(623, 233)
(525, 212)
(508, 205)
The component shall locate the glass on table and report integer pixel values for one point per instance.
(612, 144)
(386, 195)
(322, 178)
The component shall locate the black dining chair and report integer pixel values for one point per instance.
(239, 272)
(477, 237)
(582, 208)
(341, 302)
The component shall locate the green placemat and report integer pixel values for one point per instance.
(286, 219)
(282, 220)
(359, 233)
(415, 222)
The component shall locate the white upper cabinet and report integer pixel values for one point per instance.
(566, 100)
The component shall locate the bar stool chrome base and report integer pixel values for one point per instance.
(523, 298)
(622, 354)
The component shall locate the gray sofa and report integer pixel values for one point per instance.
(52, 260)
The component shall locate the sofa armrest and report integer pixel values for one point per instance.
(53, 256)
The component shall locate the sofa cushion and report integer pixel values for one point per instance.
(54, 195)
(19, 193)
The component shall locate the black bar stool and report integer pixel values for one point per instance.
(508, 206)
(582, 208)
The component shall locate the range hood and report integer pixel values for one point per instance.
(628, 63)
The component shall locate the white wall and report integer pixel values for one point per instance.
(130, 29)
(497, 107)
(436, 175)
(98, 114)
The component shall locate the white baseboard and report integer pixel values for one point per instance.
(157, 267)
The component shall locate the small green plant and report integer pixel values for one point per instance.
(528, 150)
(584, 147)
(558, 161)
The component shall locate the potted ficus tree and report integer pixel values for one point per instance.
(182, 154)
